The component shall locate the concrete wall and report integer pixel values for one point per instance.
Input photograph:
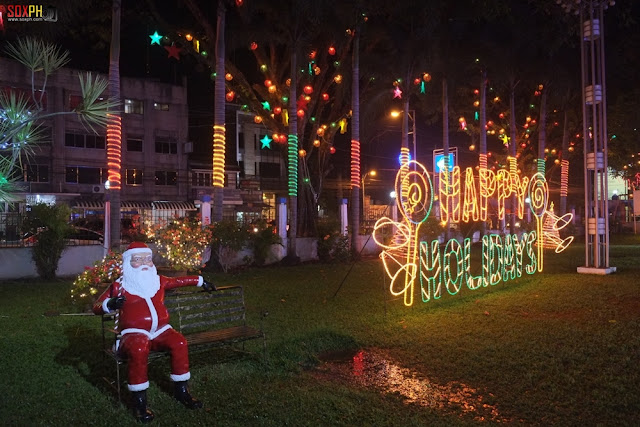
(17, 263)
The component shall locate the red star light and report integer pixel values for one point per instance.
(174, 51)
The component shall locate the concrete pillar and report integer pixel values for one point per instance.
(205, 210)
(344, 217)
(282, 217)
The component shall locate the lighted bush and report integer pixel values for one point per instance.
(181, 242)
(94, 280)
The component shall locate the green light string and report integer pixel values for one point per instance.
(293, 164)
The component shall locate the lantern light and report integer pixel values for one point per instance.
(254, 45)
(316, 143)
(300, 113)
(302, 152)
(230, 96)
(228, 77)
(257, 119)
(332, 150)
(325, 96)
(332, 50)
(272, 89)
(308, 89)
(189, 37)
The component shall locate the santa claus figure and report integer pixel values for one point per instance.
(143, 324)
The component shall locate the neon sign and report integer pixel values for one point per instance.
(434, 266)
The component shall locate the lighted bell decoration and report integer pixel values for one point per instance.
(472, 147)
(320, 131)
(302, 153)
(300, 113)
(476, 103)
(277, 110)
(416, 82)
(332, 50)
(317, 70)
(228, 77)
(276, 137)
(325, 96)
(263, 68)
(230, 96)
(189, 37)
(338, 78)
(272, 89)
(426, 77)
(288, 82)
(268, 83)
(476, 92)
(316, 143)
(254, 45)
(332, 150)
(312, 54)
(308, 89)
(257, 119)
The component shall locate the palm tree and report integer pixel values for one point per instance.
(114, 129)
(21, 115)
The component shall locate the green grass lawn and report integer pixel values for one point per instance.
(550, 348)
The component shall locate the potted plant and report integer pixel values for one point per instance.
(94, 280)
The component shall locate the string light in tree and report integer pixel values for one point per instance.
(114, 151)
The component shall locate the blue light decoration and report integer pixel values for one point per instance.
(155, 38)
(266, 142)
(400, 162)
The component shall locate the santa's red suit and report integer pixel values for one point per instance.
(143, 323)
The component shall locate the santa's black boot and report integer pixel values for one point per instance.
(140, 410)
(182, 395)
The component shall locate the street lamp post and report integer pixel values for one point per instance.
(364, 206)
(594, 132)
(411, 115)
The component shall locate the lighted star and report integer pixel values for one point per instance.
(174, 51)
(397, 93)
(266, 142)
(155, 38)
(266, 105)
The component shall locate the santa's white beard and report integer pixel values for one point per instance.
(140, 282)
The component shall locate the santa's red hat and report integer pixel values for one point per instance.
(136, 248)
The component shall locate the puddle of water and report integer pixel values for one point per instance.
(374, 369)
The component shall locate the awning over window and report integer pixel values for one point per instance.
(184, 206)
(128, 205)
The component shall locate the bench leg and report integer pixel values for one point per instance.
(118, 380)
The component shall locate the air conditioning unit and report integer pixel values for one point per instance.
(98, 189)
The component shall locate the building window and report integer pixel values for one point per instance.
(85, 175)
(164, 146)
(160, 106)
(269, 170)
(241, 140)
(166, 178)
(37, 173)
(74, 101)
(84, 141)
(201, 179)
(134, 144)
(133, 106)
(134, 177)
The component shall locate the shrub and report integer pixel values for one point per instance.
(181, 242)
(227, 238)
(49, 225)
(94, 280)
(261, 239)
(333, 246)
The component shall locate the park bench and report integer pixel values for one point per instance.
(207, 320)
